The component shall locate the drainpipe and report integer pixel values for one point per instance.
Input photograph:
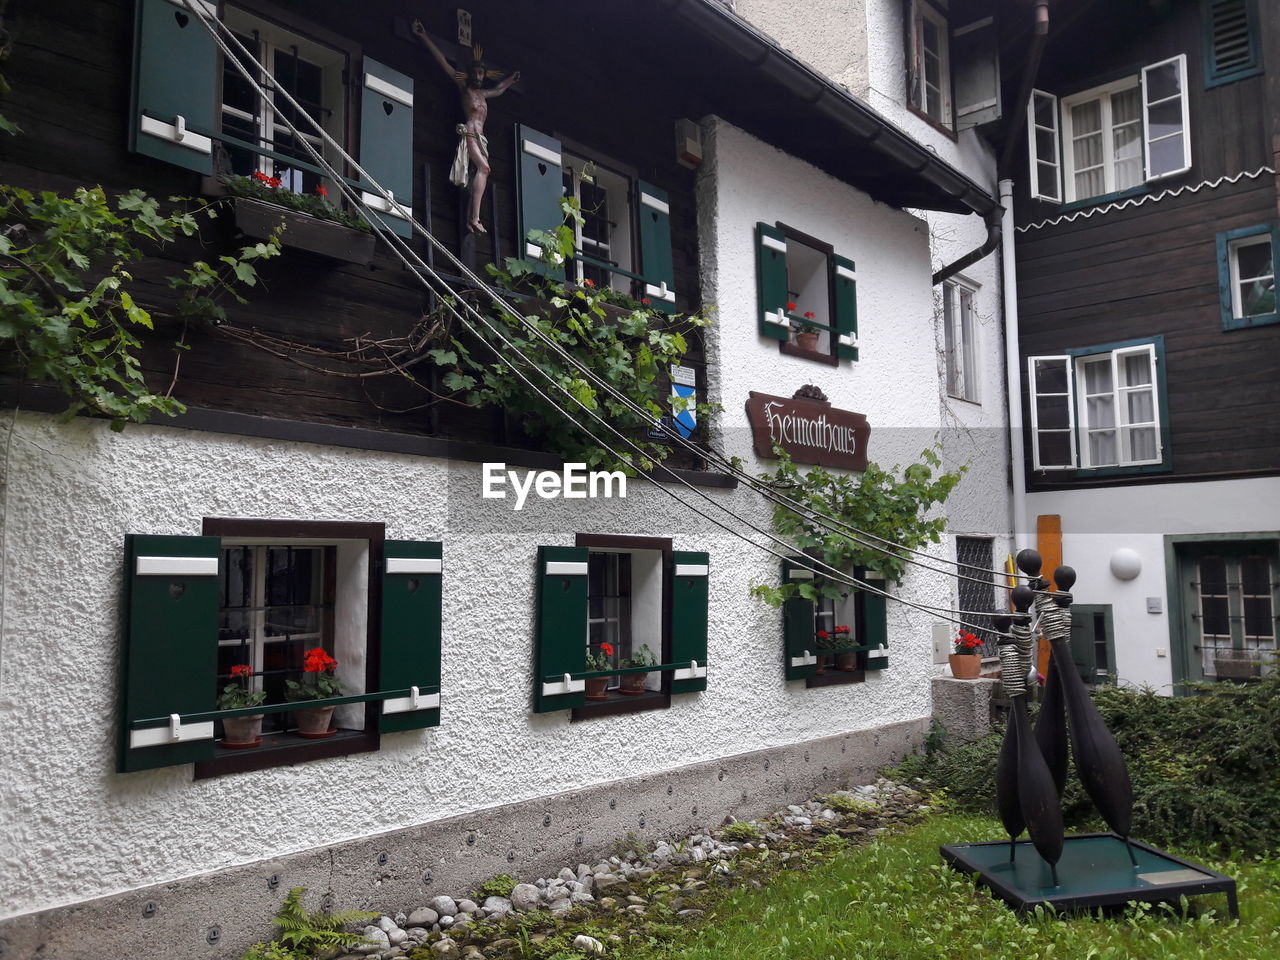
(1040, 34)
(1013, 372)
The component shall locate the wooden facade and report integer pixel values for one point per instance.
(1143, 263)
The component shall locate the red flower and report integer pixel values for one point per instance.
(606, 649)
(823, 635)
(317, 660)
(790, 305)
(645, 301)
(322, 190)
(241, 670)
(588, 282)
(809, 314)
(842, 630)
(259, 175)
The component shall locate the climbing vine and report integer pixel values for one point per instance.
(889, 504)
(71, 312)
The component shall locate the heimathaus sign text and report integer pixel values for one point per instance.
(811, 431)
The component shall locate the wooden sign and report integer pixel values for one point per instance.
(811, 431)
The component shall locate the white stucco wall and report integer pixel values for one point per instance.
(1098, 521)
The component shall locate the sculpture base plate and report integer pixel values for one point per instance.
(1095, 871)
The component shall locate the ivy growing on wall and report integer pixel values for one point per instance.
(71, 312)
(892, 505)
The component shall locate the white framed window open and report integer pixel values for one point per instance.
(960, 341)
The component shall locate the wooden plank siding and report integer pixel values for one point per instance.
(71, 71)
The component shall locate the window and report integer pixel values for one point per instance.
(641, 598)
(1099, 407)
(931, 64)
(807, 295)
(960, 336)
(1230, 602)
(625, 239)
(1114, 137)
(1248, 262)
(188, 99)
(837, 657)
(243, 604)
(310, 72)
(975, 557)
(1232, 47)
(1093, 646)
(604, 237)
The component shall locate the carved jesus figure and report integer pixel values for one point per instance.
(473, 147)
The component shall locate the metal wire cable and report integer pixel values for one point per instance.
(396, 243)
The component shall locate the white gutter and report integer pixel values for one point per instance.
(1013, 372)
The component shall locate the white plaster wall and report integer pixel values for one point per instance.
(823, 33)
(1098, 521)
(74, 829)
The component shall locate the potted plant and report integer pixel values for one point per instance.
(632, 684)
(602, 659)
(966, 657)
(807, 330)
(263, 206)
(318, 683)
(847, 660)
(823, 640)
(240, 733)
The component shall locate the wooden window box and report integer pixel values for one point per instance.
(302, 231)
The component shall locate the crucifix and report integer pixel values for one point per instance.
(473, 146)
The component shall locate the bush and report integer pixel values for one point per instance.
(741, 831)
(1205, 768)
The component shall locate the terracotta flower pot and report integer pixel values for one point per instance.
(965, 666)
(807, 341)
(598, 689)
(313, 722)
(823, 660)
(240, 733)
(632, 684)
(846, 661)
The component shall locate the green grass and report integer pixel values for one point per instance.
(896, 899)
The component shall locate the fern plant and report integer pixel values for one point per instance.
(306, 931)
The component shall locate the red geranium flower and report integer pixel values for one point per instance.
(823, 635)
(645, 301)
(241, 670)
(606, 649)
(322, 190)
(790, 305)
(809, 314)
(317, 660)
(842, 629)
(588, 282)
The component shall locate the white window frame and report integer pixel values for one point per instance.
(919, 95)
(1077, 405)
(272, 39)
(582, 169)
(1233, 262)
(1102, 94)
(1039, 189)
(961, 341)
(1181, 61)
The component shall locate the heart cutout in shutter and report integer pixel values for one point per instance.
(182, 19)
(387, 107)
(413, 584)
(177, 589)
(542, 169)
(654, 215)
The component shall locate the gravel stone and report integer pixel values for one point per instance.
(445, 906)
(525, 896)
(423, 917)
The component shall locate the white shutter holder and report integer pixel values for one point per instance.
(175, 132)
(806, 659)
(384, 205)
(660, 292)
(566, 568)
(176, 566)
(691, 672)
(413, 565)
(415, 701)
(561, 687)
(691, 569)
(541, 152)
(175, 732)
(388, 89)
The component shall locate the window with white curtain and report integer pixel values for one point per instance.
(1097, 407)
(959, 336)
(1103, 141)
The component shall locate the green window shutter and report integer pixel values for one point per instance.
(844, 281)
(875, 625)
(654, 212)
(386, 142)
(771, 282)
(175, 69)
(411, 626)
(799, 641)
(540, 185)
(169, 659)
(689, 620)
(562, 629)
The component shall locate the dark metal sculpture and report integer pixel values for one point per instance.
(1032, 767)
(1025, 791)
